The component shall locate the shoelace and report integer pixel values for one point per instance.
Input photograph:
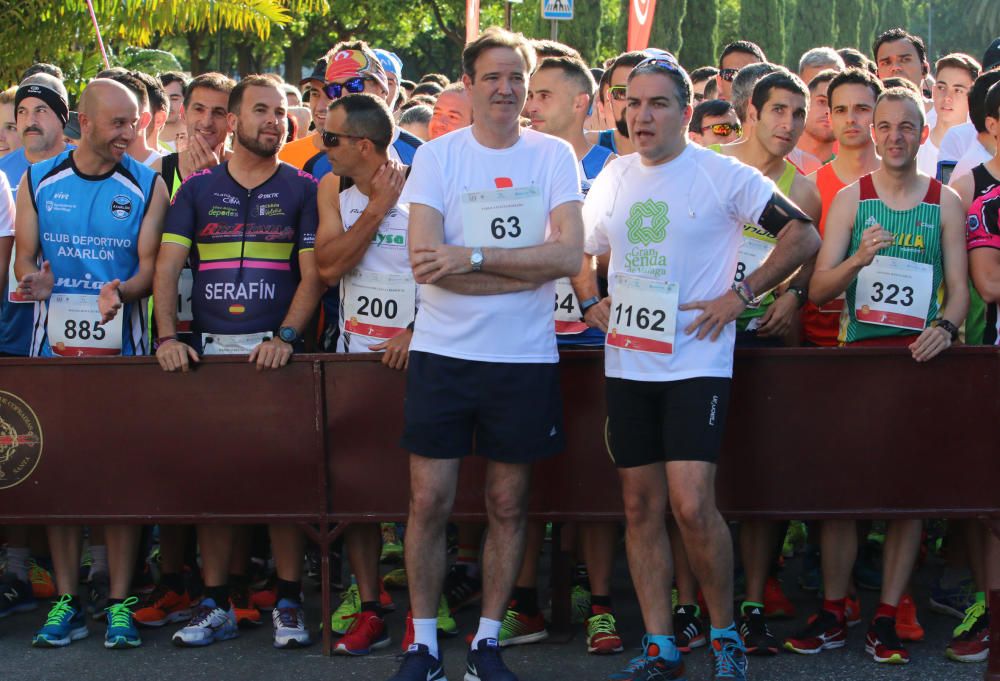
(120, 614)
(202, 616)
(603, 624)
(358, 621)
(290, 617)
(637, 663)
(37, 574)
(972, 614)
(349, 599)
(725, 661)
(60, 610)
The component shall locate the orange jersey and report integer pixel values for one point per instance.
(299, 152)
(820, 325)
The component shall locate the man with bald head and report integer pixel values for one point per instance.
(92, 217)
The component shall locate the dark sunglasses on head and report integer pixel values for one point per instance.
(352, 85)
(671, 65)
(728, 75)
(332, 139)
(724, 129)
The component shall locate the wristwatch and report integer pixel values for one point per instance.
(947, 326)
(800, 293)
(288, 334)
(587, 304)
(476, 260)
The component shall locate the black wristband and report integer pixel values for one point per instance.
(588, 303)
(947, 326)
(800, 293)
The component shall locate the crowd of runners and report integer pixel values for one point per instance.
(671, 213)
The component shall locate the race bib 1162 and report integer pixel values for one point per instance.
(643, 315)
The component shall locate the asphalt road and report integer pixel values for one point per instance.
(251, 656)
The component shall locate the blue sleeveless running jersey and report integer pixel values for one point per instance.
(606, 139)
(592, 164)
(88, 229)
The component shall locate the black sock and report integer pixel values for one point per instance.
(239, 582)
(289, 591)
(371, 606)
(173, 581)
(219, 594)
(526, 600)
(74, 602)
(115, 601)
(600, 601)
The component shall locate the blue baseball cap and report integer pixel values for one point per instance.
(391, 63)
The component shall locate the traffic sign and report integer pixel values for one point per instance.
(561, 10)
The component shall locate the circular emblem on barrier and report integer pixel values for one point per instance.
(20, 440)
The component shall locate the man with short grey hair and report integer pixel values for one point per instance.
(819, 59)
(743, 86)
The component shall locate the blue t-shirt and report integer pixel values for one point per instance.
(88, 230)
(245, 246)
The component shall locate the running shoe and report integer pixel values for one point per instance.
(367, 633)
(907, 626)
(580, 604)
(823, 632)
(485, 664)
(602, 635)
(163, 606)
(100, 590)
(688, 628)
(882, 642)
(795, 539)
(395, 579)
(42, 584)
(209, 623)
(392, 548)
(122, 633)
(776, 603)
(852, 611)
(15, 596)
(649, 666)
(519, 628)
(289, 620)
(973, 644)
(63, 625)
(384, 599)
(445, 622)
(953, 600)
(419, 665)
(460, 589)
(246, 613)
(264, 599)
(757, 638)
(350, 605)
(811, 578)
(972, 613)
(730, 660)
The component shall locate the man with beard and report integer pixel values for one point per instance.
(616, 139)
(255, 288)
(93, 194)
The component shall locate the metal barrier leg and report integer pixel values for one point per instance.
(324, 566)
(993, 668)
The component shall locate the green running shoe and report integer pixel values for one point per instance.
(343, 616)
(446, 623)
(581, 604)
(972, 615)
(122, 633)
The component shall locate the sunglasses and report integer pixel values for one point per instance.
(671, 65)
(352, 85)
(332, 139)
(724, 129)
(617, 92)
(728, 75)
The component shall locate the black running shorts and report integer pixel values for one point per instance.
(507, 412)
(652, 422)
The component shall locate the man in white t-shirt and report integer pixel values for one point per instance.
(955, 74)
(981, 149)
(494, 220)
(672, 216)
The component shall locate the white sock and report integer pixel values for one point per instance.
(487, 629)
(17, 562)
(425, 632)
(99, 558)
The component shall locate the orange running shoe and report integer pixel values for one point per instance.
(907, 626)
(246, 613)
(384, 599)
(776, 603)
(42, 584)
(163, 605)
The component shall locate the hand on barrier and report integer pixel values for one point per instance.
(174, 355)
(716, 314)
(271, 354)
(930, 343)
(37, 285)
(397, 350)
(109, 301)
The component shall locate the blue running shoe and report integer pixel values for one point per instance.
(209, 623)
(730, 660)
(419, 665)
(64, 625)
(15, 596)
(650, 666)
(485, 664)
(946, 599)
(122, 633)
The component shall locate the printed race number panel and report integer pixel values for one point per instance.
(894, 292)
(75, 329)
(378, 304)
(504, 218)
(567, 310)
(643, 315)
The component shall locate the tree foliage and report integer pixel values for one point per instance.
(667, 21)
(847, 14)
(701, 34)
(761, 22)
(811, 26)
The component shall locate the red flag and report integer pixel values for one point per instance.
(471, 20)
(640, 23)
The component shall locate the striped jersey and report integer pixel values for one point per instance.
(88, 229)
(918, 240)
(983, 222)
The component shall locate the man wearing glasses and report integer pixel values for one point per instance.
(714, 122)
(672, 217)
(734, 57)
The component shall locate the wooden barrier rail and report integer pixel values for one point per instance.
(812, 433)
